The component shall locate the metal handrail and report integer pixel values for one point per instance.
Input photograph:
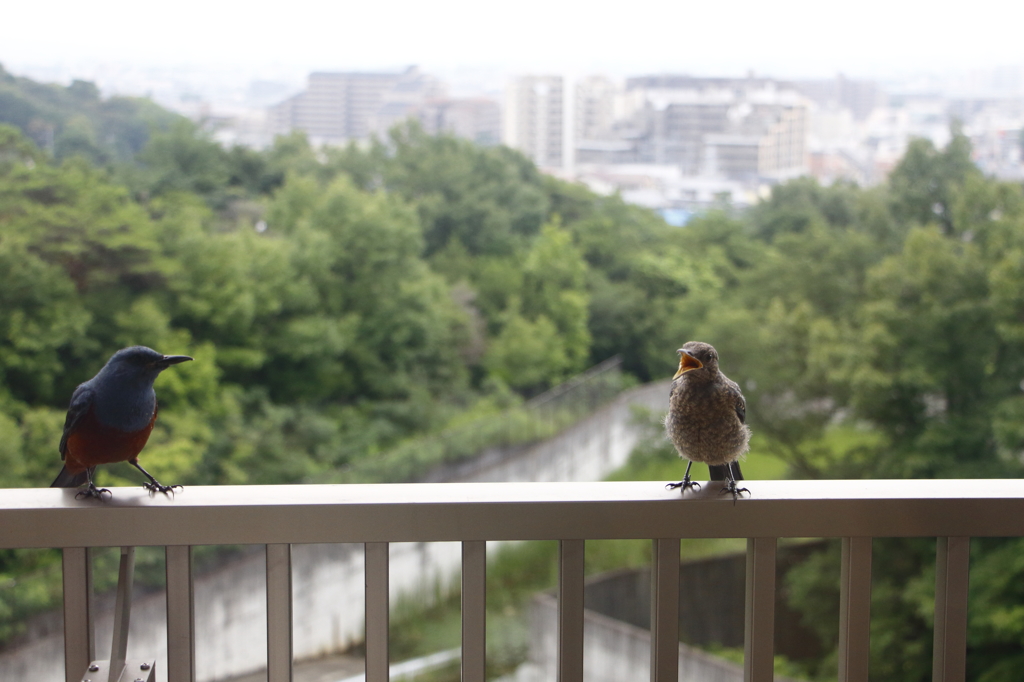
(279, 516)
(431, 512)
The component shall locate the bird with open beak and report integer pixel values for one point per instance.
(706, 419)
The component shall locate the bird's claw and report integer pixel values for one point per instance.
(684, 484)
(91, 492)
(730, 487)
(155, 487)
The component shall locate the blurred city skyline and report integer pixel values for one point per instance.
(674, 105)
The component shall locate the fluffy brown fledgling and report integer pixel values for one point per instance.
(707, 414)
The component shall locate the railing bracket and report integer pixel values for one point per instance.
(131, 671)
(117, 668)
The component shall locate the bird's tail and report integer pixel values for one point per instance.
(66, 479)
(719, 471)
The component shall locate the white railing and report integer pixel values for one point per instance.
(473, 513)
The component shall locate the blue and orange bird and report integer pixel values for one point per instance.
(110, 419)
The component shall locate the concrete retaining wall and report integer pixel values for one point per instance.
(712, 601)
(613, 651)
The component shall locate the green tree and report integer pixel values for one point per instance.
(76, 121)
(527, 353)
(489, 199)
(543, 333)
(182, 160)
(925, 354)
(554, 281)
(925, 182)
(40, 317)
(377, 319)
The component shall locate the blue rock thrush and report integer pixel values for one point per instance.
(110, 418)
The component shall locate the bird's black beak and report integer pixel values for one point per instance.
(686, 363)
(168, 360)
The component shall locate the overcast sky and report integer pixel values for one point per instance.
(862, 38)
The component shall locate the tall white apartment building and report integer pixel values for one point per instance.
(595, 114)
(534, 119)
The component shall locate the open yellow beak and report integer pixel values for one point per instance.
(686, 363)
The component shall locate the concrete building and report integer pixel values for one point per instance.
(665, 189)
(741, 129)
(749, 129)
(607, 152)
(680, 144)
(776, 151)
(676, 124)
(476, 119)
(404, 99)
(857, 96)
(338, 107)
(534, 119)
(603, 128)
(782, 145)
(595, 112)
(731, 156)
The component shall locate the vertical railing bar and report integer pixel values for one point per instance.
(181, 618)
(855, 610)
(122, 613)
(377, 603)
(759, 628)
(665, 610)
(474, 611)
(279, 612)
(570, 610)
(952, 571)
(79, 645)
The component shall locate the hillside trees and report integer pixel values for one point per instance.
(75, 121)
(543, 323)
(515, 238)
(335, 307)
(334, 321)
(489, 200)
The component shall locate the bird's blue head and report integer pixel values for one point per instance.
(123, 390)
(138, 365)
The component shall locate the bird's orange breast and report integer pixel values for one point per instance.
(92, 443)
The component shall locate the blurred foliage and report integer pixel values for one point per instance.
(76, 121)
(877, 334)
(784, 669)
(371, 312)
